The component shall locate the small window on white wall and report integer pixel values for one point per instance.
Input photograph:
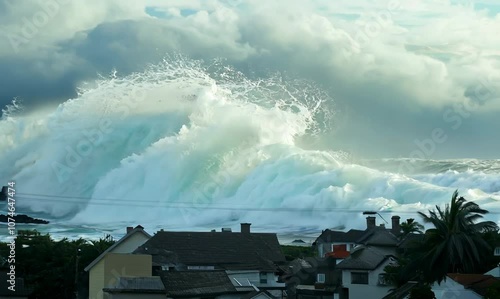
(320, 278)
(263, 277)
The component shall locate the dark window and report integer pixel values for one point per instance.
(320, 278)
(263, 277)
(382, 279)
(359, 278)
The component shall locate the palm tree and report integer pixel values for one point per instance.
(102, 244)
(455, 244)
(410, 226)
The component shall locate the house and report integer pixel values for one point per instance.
(252, 259)
(363, 274)
(456, 286)
(258, 295)
(118, 261)
(475, 285)
(312, 277)
(495, 272)
(339, 244)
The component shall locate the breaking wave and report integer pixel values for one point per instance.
(190, 144)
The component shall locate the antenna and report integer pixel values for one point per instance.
(374, 213)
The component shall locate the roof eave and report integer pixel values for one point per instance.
(101, 256)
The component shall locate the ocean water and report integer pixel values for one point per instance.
(187, 145)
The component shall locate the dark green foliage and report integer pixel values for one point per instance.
(493, 292)
(455, 244)
(422, 292)
(410, 226)
(294, 252)
(50, 266)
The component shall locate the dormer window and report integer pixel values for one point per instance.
(320, 278)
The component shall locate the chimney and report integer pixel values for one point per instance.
(129, 229)
(396, 228)
(226, 230)
(370, 222)
(245, 228)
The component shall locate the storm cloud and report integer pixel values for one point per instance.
(397, 70)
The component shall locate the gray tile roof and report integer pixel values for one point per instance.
(375, 236)
(152, 284)
(366, 258)
(411, 241)
(196, 283)
(331, 236)
(159, 256)
(223, 250)
(255, 293)
(379, 237)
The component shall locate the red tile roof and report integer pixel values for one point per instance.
(338, 254)
(479, 283)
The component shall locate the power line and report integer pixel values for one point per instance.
(159, 203)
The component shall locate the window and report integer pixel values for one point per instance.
(497, 251)
(382, 280)
(320, 278)
(263, 277)
(359, 277)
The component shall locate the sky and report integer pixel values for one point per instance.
(412, 78)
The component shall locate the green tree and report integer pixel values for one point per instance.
(53, 268)
(410, 226)
(422, 292)
(455, 244)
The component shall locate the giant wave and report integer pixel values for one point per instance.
(188, 145)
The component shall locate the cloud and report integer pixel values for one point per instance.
(393, 67)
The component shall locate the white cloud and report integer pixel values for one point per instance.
(411, 56)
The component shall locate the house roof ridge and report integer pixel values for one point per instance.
(138, 228)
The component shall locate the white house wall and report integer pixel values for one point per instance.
(364, 291)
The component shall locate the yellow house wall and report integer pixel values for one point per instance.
(96, 280)
(107, 272)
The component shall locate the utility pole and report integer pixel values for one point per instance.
(76, 271)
